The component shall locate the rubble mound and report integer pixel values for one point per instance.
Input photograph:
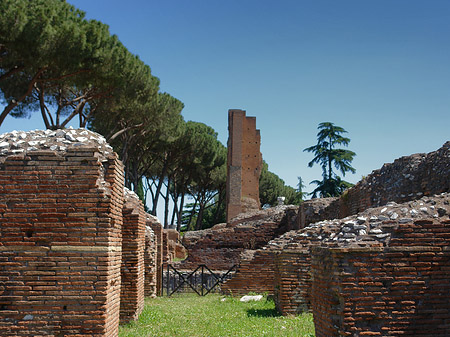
(220, 247)
(372, 227)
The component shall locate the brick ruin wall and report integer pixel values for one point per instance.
(287, 286)
(407, 178)
(244, 164)
(150, 261)
(382, 291)
(157, 229)
(64, 230)
(133, 248)
(292, 281)
(220, 247)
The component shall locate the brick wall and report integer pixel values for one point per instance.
(133, 247)
(384, 291)
(243, 164)
(60, 240)
(156, 226)
(220, 247)
(255, 274)
(407, 178)
(150, 256)
(292, 281)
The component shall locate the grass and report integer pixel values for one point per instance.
(189, 315)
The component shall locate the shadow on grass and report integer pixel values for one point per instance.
(263, 313)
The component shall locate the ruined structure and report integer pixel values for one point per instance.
(154, 257)
(380, 272)
(61, 234)
(220, 247)
(73, 254)
(244, 164)
(133, 248)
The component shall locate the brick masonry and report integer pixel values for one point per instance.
(133, 247)
(292, 281)
(381, 291)
(150, 260)
(72, 240)
(407, 178)
(243, 164)
(156, 226)
(60, 239)
(420, 222)
(220, 247)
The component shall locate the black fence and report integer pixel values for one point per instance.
(201, 281)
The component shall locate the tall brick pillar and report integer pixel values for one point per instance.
(244, 164)
(133, 248)
(156, 226)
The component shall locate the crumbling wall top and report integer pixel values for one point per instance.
(57, 141)
(370, 228)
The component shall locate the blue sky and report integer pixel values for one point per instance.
(378, 68)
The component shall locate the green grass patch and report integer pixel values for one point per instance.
(215, 316)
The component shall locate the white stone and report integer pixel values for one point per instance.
(23, 135)
(60, 133)
(54, 147)
(70, 137)
(84, 133)
(394, 216)
(361, 219)
(4, 145)
(28, 317)
(384, 210)
(248, 298)
(376, 231)
(81, 139)
(33, 143)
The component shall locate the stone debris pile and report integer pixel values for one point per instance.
(59, 141)
(372, 227)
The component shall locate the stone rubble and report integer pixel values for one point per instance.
(20, 142)
(372, 227)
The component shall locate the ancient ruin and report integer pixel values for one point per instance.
(378, 272)
(77, 250)
(79, 254)
(244, 164)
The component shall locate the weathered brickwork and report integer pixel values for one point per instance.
(250, 279)
(416, 176)
(156, 226)
(60, 236)
(407, 178)
(150, 286)
(220, 247)
(381, 291)
(133, 247)
(292, 281)
(244, 164)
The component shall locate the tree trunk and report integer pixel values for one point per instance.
(15, 103)
(158, 189)
(166, 205)
(192, 213)
(180, 213)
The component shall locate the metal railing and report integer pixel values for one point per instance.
(201, 280)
